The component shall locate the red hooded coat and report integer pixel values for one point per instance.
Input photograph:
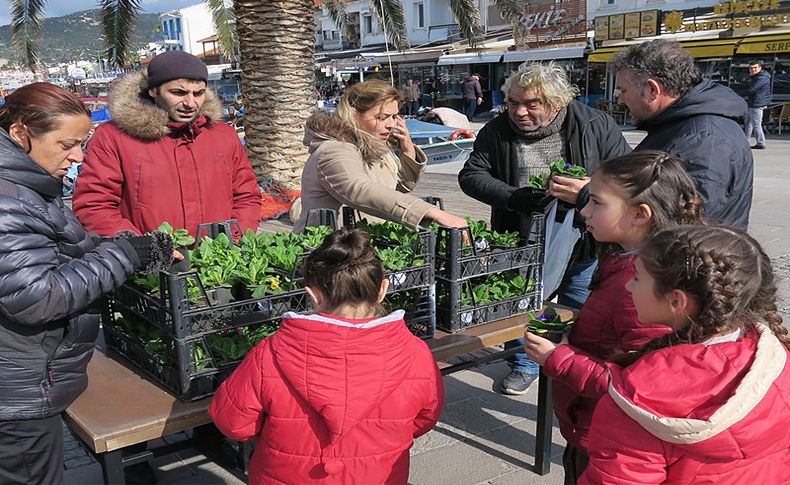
(703, 414)
(332, 400)
(141, 170)
(607, 325)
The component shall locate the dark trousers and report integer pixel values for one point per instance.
(31, 451)
(470, 106)
(575, 461)
(412, 107)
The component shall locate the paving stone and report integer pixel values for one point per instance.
(460, 463)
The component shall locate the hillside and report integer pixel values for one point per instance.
(76, 36)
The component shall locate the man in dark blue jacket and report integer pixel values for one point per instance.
(693, 118)
(758, 98)
(542, 124)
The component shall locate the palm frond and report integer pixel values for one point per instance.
(468, 17)
(337, 12)
(390, 13)
(118, 19)
(225, 25)
(26, 18)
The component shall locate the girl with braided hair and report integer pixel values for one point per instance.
(631, 197)
(337, 396)
(709, 402)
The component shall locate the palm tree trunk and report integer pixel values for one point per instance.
(277, 45)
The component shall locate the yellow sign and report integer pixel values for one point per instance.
(765, 47)
(747, 6)
(673, 22)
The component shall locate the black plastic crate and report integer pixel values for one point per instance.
(420, 307)
(456, 260)
(182, 316)
(175, 367)
(456, 308)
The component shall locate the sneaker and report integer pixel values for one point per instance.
(758, 147)
(517, 383)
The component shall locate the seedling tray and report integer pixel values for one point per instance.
(456, 308)
(182, 317)
(456, 260)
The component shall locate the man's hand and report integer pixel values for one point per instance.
(567, 189)
(538, 349)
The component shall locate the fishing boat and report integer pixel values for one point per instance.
(441, 144)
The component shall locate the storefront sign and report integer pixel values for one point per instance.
(629, 26)
(544, 24)
(732, 15)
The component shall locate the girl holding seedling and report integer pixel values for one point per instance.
(709, 402)
(631, 197)
(337, 396)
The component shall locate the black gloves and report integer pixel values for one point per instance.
(154, 252)
(527, 199)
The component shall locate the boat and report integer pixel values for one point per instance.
(434, 140)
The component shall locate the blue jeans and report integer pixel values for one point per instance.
(573, 292)
(470, 106)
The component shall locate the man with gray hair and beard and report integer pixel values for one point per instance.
(542, 124)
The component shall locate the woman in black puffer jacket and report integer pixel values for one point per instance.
(51, 272)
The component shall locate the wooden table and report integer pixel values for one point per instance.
(121, 407)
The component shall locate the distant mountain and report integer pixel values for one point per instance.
(77, 36)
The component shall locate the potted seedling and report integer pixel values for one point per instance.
(549, 325)
(181, 242)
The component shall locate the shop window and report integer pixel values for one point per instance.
(450, 81)
(781, 78)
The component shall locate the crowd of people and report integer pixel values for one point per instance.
(675, 370)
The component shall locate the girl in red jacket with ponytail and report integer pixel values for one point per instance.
(630, 198)
(709, 402)
(337, 396)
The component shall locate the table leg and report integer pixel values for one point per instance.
(544, 426)
(112, 467)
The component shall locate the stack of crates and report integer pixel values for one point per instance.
(190, 343)
(466, 270)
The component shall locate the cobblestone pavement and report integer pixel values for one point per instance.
(485, 437)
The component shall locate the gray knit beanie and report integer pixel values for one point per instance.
(175, 65)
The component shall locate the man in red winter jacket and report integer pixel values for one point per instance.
(165, 157)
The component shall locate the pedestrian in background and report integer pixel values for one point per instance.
(693, 118)
(473, 95)
(758, 98)
(411, 98)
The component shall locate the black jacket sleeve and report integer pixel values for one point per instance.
(480, 177)
(36, 285)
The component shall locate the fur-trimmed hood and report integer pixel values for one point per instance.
(324, 125)
(135, 113)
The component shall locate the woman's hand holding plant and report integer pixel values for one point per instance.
(538, 348)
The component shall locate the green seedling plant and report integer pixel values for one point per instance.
(218, 261)
(547, 322)
(180, 237)
(558, 167)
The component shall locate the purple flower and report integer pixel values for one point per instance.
(545, 317)
(568, 166)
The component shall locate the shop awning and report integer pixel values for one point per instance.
(469, 58)
(413, 55)
(697, 48)
(565, 52)
(711, 47)
(765, 44)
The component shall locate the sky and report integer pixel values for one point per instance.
(56, 8)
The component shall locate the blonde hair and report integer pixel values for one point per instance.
(549, 80)
(362, 97)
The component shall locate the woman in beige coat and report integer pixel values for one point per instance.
(362, 156)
